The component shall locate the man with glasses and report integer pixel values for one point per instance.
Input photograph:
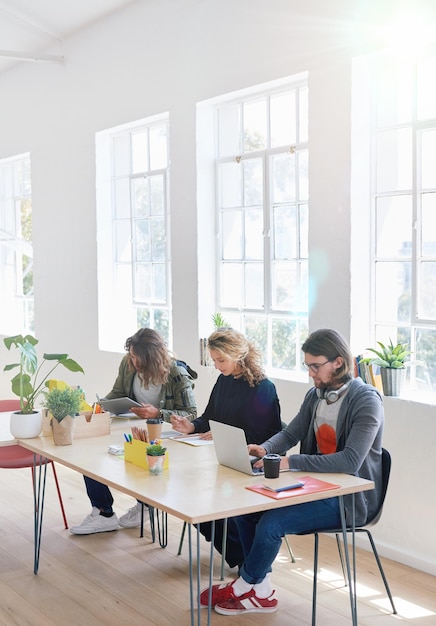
(339, 428)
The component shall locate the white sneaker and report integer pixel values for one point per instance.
(95, 523)
(132, 519)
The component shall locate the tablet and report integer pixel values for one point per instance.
(118, 405)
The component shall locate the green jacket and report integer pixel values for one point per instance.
(176, 396)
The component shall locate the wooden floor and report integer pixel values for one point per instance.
(118, 578)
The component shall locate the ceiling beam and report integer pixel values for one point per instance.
(25, 56)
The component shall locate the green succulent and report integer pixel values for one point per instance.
(155, 449)
(390, 356)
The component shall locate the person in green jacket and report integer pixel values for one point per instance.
(152, 376)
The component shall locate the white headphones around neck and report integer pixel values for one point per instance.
(332, 395)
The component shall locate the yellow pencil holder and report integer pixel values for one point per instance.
(135, 452)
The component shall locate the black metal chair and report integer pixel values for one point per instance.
(386, 470)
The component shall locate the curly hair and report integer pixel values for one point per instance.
(153, 356)
(329, 343)
(233, 345)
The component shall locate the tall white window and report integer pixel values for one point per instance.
(16, 252)
(404, 210)
(133, 247)
(262, 213)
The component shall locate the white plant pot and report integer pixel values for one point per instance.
(392, 380)
(23, 426)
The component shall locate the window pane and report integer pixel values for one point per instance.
(140, 201)
(255, 125)
(426, 93)
(283, 167)
(254, 234)
(394, 160)
(159, 282)
(229, 130)
(284, 353)
(232, 235)
(256, 330)
(303, 175)
(253, 286)
(231, 285)
(394, 226)
(139, 152)
(427, 301)
(285, 232)
(143, 292)
(304, 231)
(158, 148)
(428, 230)
(426, 354)
(283, 119)
(428, 152)
(231, 185)
(284, 286)
(158, 239)
(122, 198)
(303, 114)
(393, 299)
(253, 182)
(142, 240)
(121, 154)
(157, 194)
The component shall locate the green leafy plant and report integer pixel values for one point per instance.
(390, 356)
(219, 321)
(30, 381)
(155, 449)
(63, 402)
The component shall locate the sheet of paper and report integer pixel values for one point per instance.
(194, 440)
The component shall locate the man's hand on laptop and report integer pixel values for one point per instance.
(255, 450)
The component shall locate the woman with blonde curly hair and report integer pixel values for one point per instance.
(243, 397)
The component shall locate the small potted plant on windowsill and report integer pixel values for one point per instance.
(31, 381)
(392, 361)
(63, 404)
(155, 457)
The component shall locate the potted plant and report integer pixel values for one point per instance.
(30, 381)
(63, 405)
(155, 457)
(392, 362)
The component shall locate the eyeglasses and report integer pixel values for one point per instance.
(314, 367)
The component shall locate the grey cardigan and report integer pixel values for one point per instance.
(359, 441)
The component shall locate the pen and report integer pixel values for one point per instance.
(287, 488)
(126, 438)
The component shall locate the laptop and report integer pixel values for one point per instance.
(231, 448)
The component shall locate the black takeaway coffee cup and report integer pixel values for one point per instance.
(271, 465)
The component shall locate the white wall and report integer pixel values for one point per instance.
(163, 55)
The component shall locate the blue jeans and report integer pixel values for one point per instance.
(261, 533)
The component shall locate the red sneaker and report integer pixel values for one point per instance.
(248, 603)
(220, 593)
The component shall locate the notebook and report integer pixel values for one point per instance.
(231, 448)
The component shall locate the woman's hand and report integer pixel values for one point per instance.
(181, 424)
(206, 436)
(146, 411)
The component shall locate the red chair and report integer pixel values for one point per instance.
(16, 457)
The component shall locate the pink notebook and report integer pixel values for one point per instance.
(311, 485)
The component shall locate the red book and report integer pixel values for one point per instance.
(310, 485)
